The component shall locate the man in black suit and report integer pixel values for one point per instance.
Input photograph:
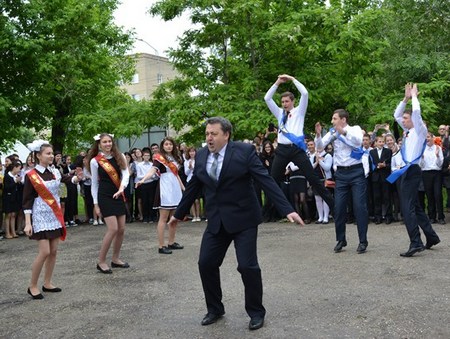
(225, 171)
(380, 168)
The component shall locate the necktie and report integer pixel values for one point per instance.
(285, 117)
(213, 170)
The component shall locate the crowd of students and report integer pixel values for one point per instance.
(382, 148)
(382, 156)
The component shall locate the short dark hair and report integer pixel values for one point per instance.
(288, 94)
(342, 113)
(225, 124)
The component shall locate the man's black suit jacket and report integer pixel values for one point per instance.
(380, 173)
(232, 201)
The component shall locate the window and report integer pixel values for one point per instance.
(136, 97)
(135, 79)
(160, 79)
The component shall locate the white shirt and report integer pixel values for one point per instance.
(142, 169)
(397, 161)
(296, 118)
(342, 151)
(417, 135)
(429, 160)
(189, 171)
(210, 160)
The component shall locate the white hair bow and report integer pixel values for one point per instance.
(97, 136)
(35, 146)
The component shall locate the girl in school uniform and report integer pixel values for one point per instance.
(44, 219)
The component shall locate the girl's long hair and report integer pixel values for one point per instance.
(115, 152)
(175, 153)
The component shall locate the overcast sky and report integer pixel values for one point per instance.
(133, 14)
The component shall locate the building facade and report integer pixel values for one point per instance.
(151, 71)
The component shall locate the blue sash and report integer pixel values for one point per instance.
(297, 140)
(356, 153)
(398, 173)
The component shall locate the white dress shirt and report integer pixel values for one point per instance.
(142, 169)
(342, 151)
(413, 142)
(296, 117)
(429, 160)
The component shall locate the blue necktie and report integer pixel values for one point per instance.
(213, 170)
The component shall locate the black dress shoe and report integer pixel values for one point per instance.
(37, 296)
(433, 221)
(124, 265)
(53, 290)
(431, 243)
(388, 220)
(340, 245)
(441, 221)
(362, 247)
(256, 323)
(211, 318)
(412, 251)
(107, 271)
(377, 221)
(164, 250)
(318, 222)
(175, 246)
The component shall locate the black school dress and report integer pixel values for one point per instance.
(106, 189)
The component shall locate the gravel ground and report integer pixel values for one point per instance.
(309, 291)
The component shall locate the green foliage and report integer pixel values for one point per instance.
(350, 54)
(62, 61)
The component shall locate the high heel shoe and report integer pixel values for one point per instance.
(107, 271)
(37, 296)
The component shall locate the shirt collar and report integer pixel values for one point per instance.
(40, 168)
(222, 151)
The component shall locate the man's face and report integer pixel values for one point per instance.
(216, 139)
(442, 130)
(430, 140)
(146, 156)
(380, 143)
(338, 121)
(287, 103)
(406, 120)
(155, 149)
(366, 142)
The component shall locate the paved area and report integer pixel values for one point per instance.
(310, 292)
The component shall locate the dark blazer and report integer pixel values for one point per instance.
(232, 201)
(380, 173)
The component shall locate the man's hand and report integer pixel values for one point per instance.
(318, 127)
(283, 78)
(414, 91)
(294, 217)
(173, 222)
(407, 92)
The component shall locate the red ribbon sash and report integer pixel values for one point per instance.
(158, 157)
(110, 170)
(48, 198)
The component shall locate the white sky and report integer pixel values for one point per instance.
(133, 14)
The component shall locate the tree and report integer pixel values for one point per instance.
(345, 53)
(62, 62)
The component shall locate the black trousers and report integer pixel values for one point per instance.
(412, 212)
(432, 182)
(381, 197)
(286, 153)
(148, 197)
(89, 201)
(212, 253)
